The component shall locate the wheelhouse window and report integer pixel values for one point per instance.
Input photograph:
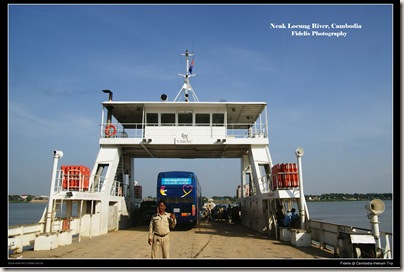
(218, 119)
(202, 119)
(185, 119)
(168, 119)
(152, 119)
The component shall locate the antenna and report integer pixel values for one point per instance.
(186, 87)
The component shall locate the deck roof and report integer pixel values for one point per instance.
(245, 113)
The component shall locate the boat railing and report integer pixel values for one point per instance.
(80, 183)
(137, 130)
(73, 180)
(326, 235)
(276, 184)
(264, 183)
(272, 182)
(98, 183)
(80, 187)
(268, 183)
(118, 188)
(248, 189)
(23, 236)
(256, 131)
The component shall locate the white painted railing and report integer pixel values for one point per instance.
(326, 235)
(22, 237)
(137, 130)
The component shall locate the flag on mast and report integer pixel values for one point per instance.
(191, 66)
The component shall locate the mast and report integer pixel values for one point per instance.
(186, 87)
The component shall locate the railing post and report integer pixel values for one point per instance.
(20, 241)
(387, 251)
(56, 156)
(299, 154)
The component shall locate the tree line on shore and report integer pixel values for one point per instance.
(349, 197)
(322, 197)
(25, 198)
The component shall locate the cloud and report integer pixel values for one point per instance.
(22, 121)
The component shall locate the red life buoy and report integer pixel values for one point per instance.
(110, 130)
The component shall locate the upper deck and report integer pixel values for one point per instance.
(166, 129)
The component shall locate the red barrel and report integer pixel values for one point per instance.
(86, 176)
(276, 178)
(64, 178)
(295, 175)
(287, 175)
(66, 224)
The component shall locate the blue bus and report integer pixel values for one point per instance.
(182, 193)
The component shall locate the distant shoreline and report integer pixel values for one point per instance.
(32, 201)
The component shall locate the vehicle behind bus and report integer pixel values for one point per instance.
(182, 193)
(146, 211)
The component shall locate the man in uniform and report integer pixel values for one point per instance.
(159, 230)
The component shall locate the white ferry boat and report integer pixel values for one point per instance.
(88, 202)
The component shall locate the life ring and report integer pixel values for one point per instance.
(110, 130)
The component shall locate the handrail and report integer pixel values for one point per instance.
(136, 130)
(118, 188)
(326, 235)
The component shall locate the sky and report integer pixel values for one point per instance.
(331, 95)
